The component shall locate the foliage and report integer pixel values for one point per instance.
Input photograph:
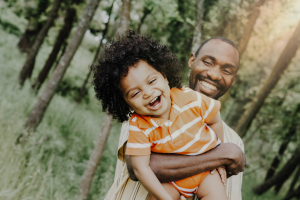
(51, 164)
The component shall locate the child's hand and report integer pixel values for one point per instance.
(222, 173)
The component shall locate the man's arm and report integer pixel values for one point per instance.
(173, 167)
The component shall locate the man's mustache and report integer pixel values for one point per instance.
(203, 78)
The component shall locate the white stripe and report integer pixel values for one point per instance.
(134, 119)
(176, 107)
(212, 135)
(167, 123)
(186, 89)
(138, 145)
(134, 128)
(148, 131)
(199, 97)
(211, 106)
(164, 140)
(190, 105)
(197, 138)
(186, 126)
(184, 189)
(153, 122)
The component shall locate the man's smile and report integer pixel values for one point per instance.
(207, 85)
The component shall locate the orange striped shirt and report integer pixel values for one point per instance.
(185, 132)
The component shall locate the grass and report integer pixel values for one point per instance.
(51, 164)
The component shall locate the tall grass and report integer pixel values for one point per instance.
(50, 164)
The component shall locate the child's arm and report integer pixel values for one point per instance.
(145, 175)
(216, 125)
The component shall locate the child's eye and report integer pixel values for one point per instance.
(134, 94)
(152, 81)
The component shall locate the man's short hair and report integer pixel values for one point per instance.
(217, 38)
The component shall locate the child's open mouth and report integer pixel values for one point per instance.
(155, 103)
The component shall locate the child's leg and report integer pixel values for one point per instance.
(170, 189)
(211, 188)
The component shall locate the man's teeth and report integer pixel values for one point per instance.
(153, 100)
(205, 84)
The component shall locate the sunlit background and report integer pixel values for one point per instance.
(52, 160)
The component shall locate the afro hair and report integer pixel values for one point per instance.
(118, 56)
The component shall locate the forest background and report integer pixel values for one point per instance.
(46, 149)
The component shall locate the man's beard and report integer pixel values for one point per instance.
(219, 86)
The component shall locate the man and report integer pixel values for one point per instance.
(213, 71)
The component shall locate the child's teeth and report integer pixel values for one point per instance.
(153, 100)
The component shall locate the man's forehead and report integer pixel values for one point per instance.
(221, 51)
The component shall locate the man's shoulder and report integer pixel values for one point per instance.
(231, 136)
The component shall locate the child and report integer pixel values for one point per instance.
(133, 80)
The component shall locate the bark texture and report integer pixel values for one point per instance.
(249, 27)
(146, 12)
(29, 63)
(292, 130)
(45, 97)
(281, 176)
(198, 26)
(80, 95)
(95, 157)
(125, 16)
(243, 43)
(25, 43)
(281, 64)
(60, 40)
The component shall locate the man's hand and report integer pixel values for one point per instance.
(173, 167)
(238, 159)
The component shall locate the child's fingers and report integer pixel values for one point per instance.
(213, 171)
(182, 198)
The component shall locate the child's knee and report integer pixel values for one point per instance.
(212, 188)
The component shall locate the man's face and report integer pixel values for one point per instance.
(214, 70)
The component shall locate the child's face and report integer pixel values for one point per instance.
(146, 91)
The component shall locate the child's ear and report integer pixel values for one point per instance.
(166, 80)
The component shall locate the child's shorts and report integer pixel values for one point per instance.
(187, 187)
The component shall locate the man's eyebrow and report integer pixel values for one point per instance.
(227, 65)
(210, 57)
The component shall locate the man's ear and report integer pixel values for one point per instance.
(234, 79)
(191, 60)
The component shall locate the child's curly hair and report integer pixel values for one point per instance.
(119, 55)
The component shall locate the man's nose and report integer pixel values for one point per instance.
(214, 73)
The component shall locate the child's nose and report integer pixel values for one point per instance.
(148, 93)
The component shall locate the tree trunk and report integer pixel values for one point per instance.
(295, 193)
(282, 63)
(62, 36)
(95, 158)
(243, 43)
(291, 189)
(80, 95)
(99, 146)
(286, 140)
(281, 176)
(44, 99)
(29, 63)
(146, 12)
(25, 43)
(125, 16)
(198, 26)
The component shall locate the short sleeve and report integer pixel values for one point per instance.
(209, 107)
(138, 142)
